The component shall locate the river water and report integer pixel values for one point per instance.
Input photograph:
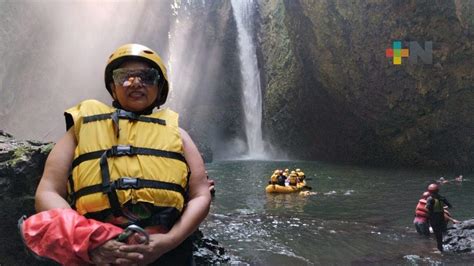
(359, 215)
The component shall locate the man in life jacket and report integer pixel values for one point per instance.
(421, 216)
(274, 177)
(129, 165)
(281, 178)
(301, 175)
(435, 205)
(293, 178)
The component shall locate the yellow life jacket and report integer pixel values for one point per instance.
(293, 180)
(274, 178)
(123, 158)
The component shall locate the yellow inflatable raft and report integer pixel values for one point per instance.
(285, 189)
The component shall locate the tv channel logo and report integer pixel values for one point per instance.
(413, 52)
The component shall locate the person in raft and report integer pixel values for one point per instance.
(301, 175)
(293, 178)
(274, 177)
(435, 205)
(128, 165)
(281, 178)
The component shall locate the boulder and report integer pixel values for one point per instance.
(21, 166)
(207, 250)
(460, 237)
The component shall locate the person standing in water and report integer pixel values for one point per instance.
(458, 178)
(421, 216)
(435, 206)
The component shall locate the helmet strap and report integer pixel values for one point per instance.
(161, 85)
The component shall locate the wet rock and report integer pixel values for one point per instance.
(21, 166)
(415, 260)
(207, 250)
(460, 237)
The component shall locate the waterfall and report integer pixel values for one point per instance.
(252, 94)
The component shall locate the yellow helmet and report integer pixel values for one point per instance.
(141, 53)
(298, 170)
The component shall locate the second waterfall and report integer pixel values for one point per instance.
(250, 75)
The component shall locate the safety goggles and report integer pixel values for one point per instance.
(126, 77)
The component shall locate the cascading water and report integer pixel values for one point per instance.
(252, 95)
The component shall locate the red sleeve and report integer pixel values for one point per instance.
(65, 236)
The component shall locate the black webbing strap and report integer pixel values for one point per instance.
(72, 194)
(122, 150)
(119, 113)
(108, 187)
(186, 191)
(132, 183)
(93, 118)
(87, 156)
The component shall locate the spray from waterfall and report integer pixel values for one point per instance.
(252, 94)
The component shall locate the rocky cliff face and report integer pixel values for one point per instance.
(330, 92)
(21, 166)
(208, 87)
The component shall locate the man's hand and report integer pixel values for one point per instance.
(110, 253)
(159, 245)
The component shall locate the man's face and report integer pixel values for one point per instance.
(135, 85)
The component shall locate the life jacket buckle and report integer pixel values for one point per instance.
(128, 183)
(121, 150)
(126, 114)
